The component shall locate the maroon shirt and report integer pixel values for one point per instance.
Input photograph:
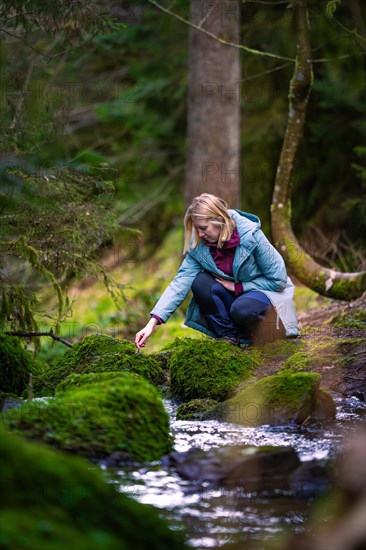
(224, 257)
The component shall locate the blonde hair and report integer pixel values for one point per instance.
(212, 209)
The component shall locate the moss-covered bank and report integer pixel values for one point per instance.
(51, 501)
(123, 414)
(203, 368)
(99, 353)
(280, 399)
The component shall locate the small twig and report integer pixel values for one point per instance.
(31, 334)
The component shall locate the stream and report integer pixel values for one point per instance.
(224, 519)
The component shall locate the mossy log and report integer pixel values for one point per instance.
(325, 281)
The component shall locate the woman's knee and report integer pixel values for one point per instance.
(247, 313)
(202, 283)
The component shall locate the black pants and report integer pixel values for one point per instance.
(227, 314)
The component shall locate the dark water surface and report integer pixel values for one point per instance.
(224, 519)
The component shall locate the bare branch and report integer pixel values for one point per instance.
(32, 334)
(217, 38)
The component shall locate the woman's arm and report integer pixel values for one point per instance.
(178, 289)
(171, 298)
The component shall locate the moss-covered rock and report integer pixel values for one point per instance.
(208, 368)
(16, 363)
(123, 414)
(51, 501)
(8, 400)
(91, 379)
(99, 353)
(196, 409)
(280, 399)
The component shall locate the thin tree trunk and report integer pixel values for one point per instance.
(214, 103)
(328, 282)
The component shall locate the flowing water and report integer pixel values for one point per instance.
(218, 518)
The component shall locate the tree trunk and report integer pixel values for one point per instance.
(328, 282)
(214, 103)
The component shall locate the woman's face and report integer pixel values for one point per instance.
(206, 230)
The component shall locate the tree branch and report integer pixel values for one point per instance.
(215, 37)
(325, 281)
(31, 334)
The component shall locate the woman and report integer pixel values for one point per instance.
(241, 291)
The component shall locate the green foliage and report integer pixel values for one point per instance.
(99, 353)
(52, 227)
(208, 368)
(52, 501)
(56, 16)
(16, 364)
(331, 7)
(122, 414)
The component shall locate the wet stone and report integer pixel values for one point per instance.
(252, 468)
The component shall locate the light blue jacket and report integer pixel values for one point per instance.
(257, 264)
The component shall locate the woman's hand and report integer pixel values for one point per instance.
(145, 333)
(229, 285)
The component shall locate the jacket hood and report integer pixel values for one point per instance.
(245, 222)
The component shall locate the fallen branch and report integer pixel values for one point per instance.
(28, 334)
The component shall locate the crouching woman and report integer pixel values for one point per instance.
(241, 291)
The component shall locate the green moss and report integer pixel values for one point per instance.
(352, 352)
(299, 361)
(281, 349)
(123, 414)
(196, 409)
(51, 501)
(280, 399)
(16, 363)
(354, 319)
(91, 379)
(206, 368)
(99, 354)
